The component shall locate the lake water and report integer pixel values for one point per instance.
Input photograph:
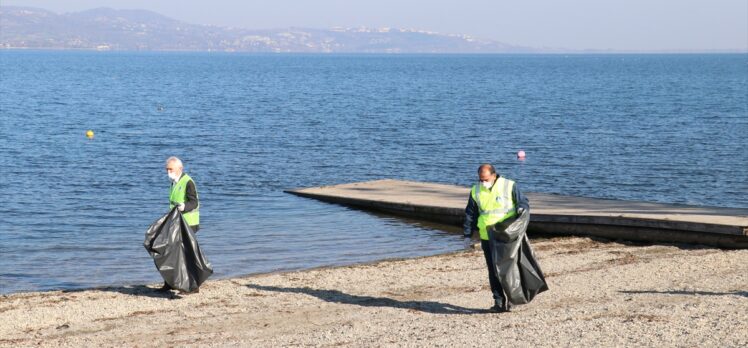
(665, 128)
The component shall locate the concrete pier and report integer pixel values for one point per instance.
(551, 214)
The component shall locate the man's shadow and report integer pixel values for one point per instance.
(136, 290)
(370, 301)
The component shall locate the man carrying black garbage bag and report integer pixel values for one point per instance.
(500, 213)
(180, 250)
(176, 253)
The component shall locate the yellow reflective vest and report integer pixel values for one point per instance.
(178, 194)
(494, 205)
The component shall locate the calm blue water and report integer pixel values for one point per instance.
(666, 128)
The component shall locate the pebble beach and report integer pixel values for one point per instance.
(602, 293)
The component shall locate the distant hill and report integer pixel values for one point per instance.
(110, 29)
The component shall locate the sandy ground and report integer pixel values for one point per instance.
(602, 294)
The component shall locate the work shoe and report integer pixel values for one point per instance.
(164, 288)
(496, 309)
(501, 306)
(190, 292)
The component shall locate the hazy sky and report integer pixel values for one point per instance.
(573, 24)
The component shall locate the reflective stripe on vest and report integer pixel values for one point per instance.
(178, 194)
(496, 207)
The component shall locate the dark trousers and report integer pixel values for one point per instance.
(493, 278)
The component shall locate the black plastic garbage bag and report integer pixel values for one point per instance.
(175, 251)
(514, 262)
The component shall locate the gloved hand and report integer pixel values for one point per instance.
(180, 207)
(520, 210)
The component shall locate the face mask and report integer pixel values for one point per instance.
(487, 184)
(173, 176)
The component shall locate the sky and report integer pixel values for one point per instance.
(629, 25)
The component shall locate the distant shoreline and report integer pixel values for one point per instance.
(354, 53)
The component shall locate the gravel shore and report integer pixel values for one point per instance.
(601, 294)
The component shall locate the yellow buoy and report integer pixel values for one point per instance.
(89, 134)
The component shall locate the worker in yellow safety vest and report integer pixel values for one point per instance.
(183, 196)
(493, 200)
